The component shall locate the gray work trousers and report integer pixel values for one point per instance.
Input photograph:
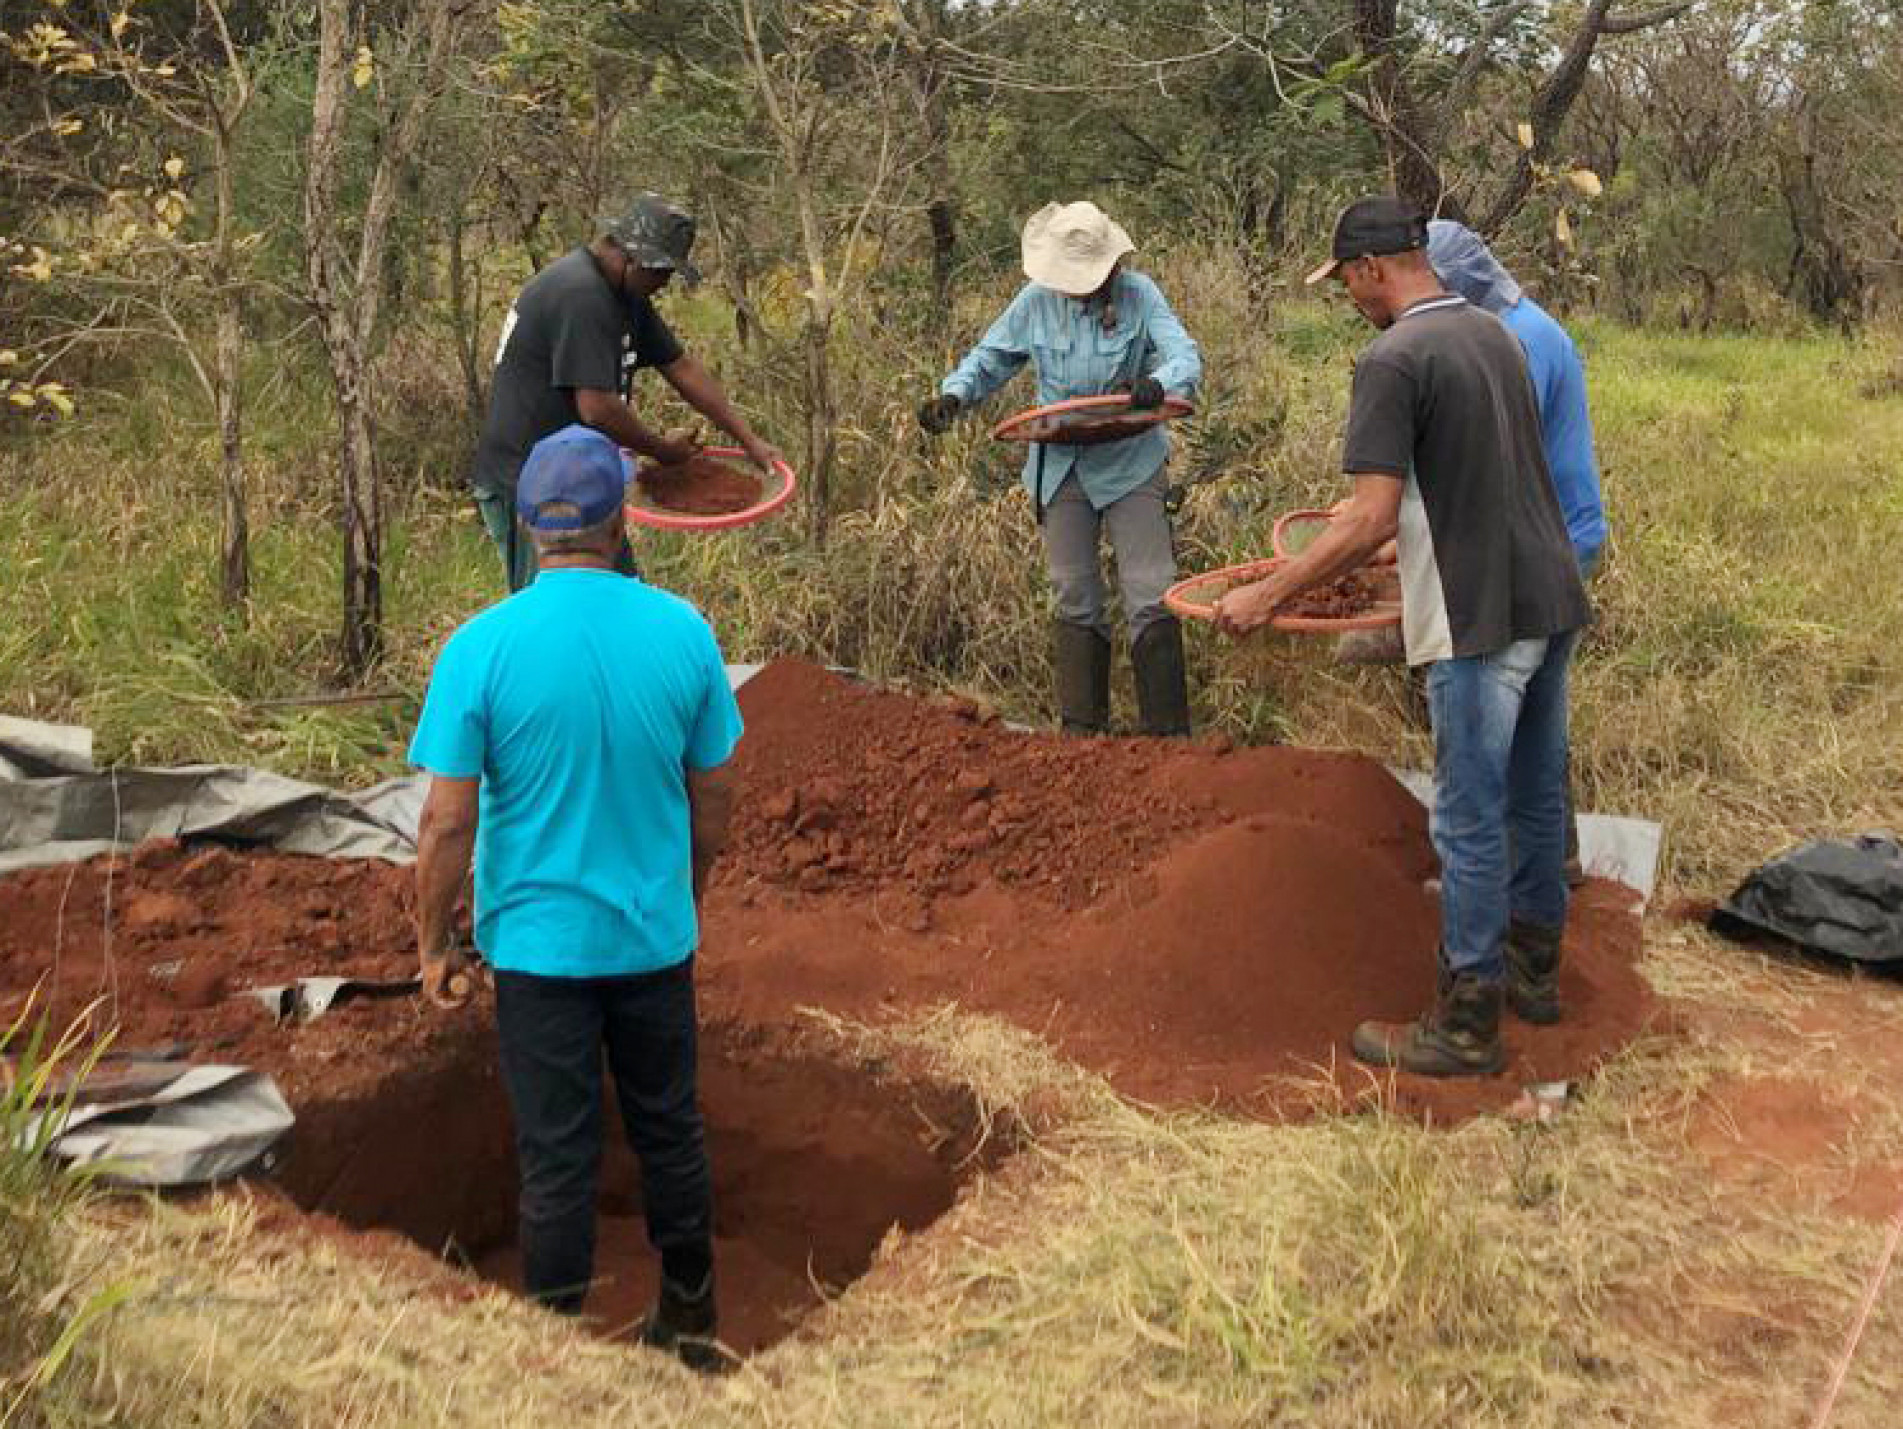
(1139, 535)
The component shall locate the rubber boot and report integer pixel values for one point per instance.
(1162, 684)
(1083, 678)
(682, 1324)
(1532, 954)
(1458, 1037)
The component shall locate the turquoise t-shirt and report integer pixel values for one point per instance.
(581, 702)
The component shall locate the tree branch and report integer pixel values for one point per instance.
(1644, 20)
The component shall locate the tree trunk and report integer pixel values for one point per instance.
(465, 315)
(228, 360)
(1408, 136)
(362, 525)
(821, 443)
(941, 207)
(348, 299)
(235, 532)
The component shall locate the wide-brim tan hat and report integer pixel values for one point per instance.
(1072, 247)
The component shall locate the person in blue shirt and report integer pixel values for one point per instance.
(574, 736)
(1464, 263)
(1091, 326)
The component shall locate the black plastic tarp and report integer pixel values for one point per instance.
(1842, 898)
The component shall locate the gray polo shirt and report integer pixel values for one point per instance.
(1443, 403)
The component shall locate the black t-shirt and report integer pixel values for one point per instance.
(568, 329)
(1442, 401)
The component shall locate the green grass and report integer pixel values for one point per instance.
(1741, 684)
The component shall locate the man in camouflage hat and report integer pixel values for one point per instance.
(569, 350)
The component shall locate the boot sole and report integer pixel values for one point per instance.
(1379, 1055)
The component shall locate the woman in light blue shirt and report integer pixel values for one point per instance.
(1090, 326)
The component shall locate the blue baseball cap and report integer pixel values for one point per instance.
(577, 470)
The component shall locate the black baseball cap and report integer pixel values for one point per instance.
(655, 234)
(1370, 227)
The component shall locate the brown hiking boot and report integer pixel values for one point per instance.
(1458, 1037)
(1532, 955)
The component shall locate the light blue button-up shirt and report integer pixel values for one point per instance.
(1076, 356)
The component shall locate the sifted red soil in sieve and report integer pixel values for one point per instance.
(1084, 429)
(703, 486)
(1356, 593)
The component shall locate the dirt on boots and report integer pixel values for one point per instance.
(1532, 957)
(1458, 1037)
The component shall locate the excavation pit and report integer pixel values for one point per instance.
(814, 1164)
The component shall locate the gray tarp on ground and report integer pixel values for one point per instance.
(1611, 846)
(55, 807)
(206, 1125)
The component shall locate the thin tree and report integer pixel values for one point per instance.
(404, 64)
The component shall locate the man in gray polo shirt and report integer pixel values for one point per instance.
(1443, 444)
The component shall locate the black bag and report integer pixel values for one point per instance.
(1842, 898)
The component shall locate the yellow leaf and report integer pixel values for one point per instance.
(55, 397)
(40, 270)
(119, 23)
(174, 166)
(21, 397)
(1587, 182)
(1563, 229)
(1526, 135)
(8, 357)
(363, 68)
(67, 127)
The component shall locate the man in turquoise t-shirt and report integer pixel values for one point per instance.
(574, 736)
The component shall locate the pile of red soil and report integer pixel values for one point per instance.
(158, 943)
(1192, 920)
(1198, 923)
(701, 486)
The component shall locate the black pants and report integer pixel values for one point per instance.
(553, 1031)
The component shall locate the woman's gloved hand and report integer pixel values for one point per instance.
(1146, 392)
(936, 414)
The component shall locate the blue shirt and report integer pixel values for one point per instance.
(1076, 356)
(581, 702)
(1559, 384)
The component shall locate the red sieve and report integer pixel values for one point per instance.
(1296, 529)
(1088, 421)
(1186, 598)
(665, 520)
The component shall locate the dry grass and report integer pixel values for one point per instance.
(1126, 1267)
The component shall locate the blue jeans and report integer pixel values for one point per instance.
(1499, 818)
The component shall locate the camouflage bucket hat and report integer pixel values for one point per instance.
(655, 234)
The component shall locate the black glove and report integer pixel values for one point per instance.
(1146, 392)
(936, 414)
